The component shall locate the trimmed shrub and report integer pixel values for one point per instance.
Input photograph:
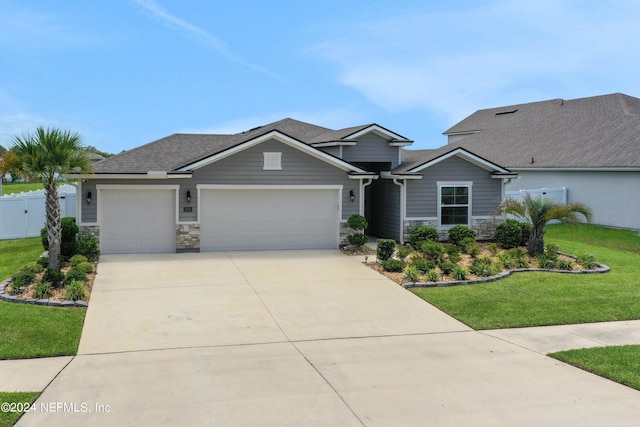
(526, 232)
(87, 245)
(433, 275)
(55, 277)
(43, 261)
(76, 290)
(85, 267)
(565, 264)
(357, 239)
(386, 248)
(411, 273)
(393, 265)
(421, 233)
(459, 232)
(433, 250)
(484, 267)
(403, 251)
(518, 258)
(77, 259)
(33, 267)
(22, 278)
(586, 260)
(453, 254)
(42, 290)
(75, 273)
(553, 248)
(447, 268)
(422, 264)
(68, 237)
(459, 272)
(546, 260)
(357, 222)
(493, 249)
(509, 234)
(470, 246)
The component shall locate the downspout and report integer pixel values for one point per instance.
(402, 206)
(362, 186)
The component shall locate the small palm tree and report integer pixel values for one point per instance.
(46, 155)
(537, 212)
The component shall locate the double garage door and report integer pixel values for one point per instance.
(137, 221)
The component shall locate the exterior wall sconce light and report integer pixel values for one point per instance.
(352, 196)
(188, 196)
(88, 197)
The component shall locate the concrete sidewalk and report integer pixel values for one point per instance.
(36, 374)
(549, 339)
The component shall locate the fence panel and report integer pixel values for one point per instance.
(23, 215)
(556, 194)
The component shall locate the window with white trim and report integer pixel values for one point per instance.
(454, 203)
(272, 161)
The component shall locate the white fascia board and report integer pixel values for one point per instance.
(389, 175)
(132, 176)
(504, 175)
(607, 169)
(400, 143)
(364, 176)
(333, 143)
(380, 131)
(266, 187)
(472, 158)
(281, 138)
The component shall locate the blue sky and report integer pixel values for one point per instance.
(126, 72)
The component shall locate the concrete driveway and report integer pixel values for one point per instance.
(300, 338)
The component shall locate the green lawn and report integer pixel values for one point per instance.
(17, 252)
(536, 299)
(19, 187)
(28, 331)
(617, 363)
(17, 401)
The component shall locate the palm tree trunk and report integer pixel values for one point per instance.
(535, 245)
(54, 227)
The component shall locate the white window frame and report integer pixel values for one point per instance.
(469, 185)
(272, 161)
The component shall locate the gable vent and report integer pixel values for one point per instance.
(502, 113)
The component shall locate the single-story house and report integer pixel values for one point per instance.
(285, 185)
(589, 146)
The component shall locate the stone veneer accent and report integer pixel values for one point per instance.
(187, 237)
(484, 227)
(92, 230)
(344, 232)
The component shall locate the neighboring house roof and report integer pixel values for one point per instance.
(596, 132)
(177, 151)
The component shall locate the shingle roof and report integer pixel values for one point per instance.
(175, 151)
(600, 131)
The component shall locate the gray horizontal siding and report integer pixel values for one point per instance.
(422, 195)
(371, 148)
(246, 168)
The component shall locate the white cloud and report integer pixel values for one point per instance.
(201, 35)
(453, 62)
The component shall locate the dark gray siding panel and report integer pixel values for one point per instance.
(422, 197)
(246, 168)
(334, 151)
(371, 148)
(298, 168)
(385, 212)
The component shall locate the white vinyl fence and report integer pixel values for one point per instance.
(23, 214)
(556, 194)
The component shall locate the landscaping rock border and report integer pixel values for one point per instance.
(52, 303)
(601, 268)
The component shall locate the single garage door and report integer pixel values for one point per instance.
(240, 219)
(137, 221)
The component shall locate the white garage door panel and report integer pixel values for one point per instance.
(269, 219)
(135, 221)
